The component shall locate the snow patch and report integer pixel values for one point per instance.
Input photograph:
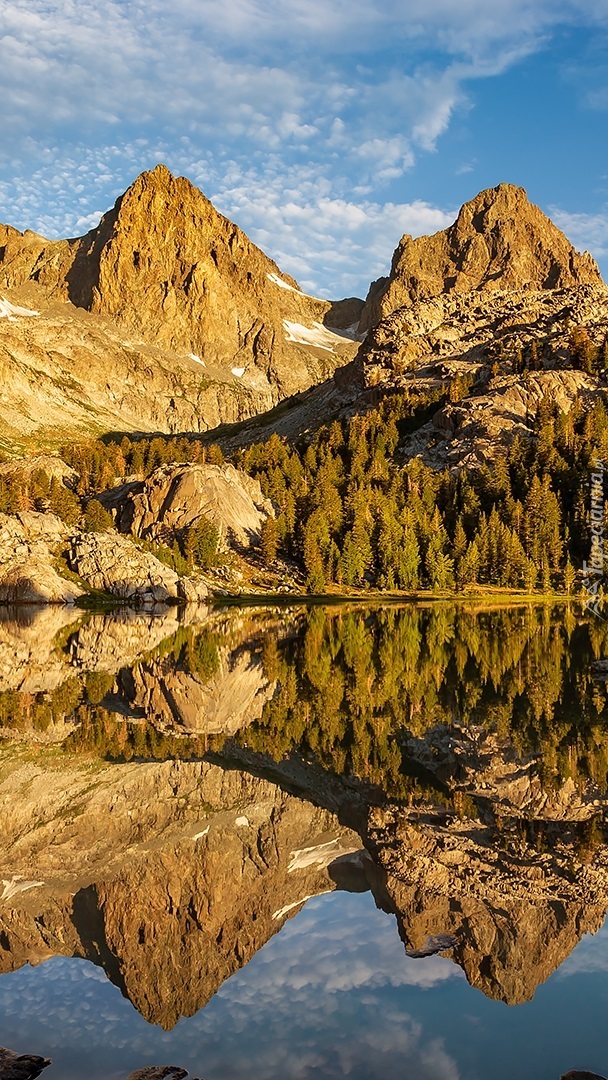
(197, 359)
(319, 855)
(242, 821)
(290, 907)
(317, 336)
(198, 835)
(11, 311)
(283, 284)
(238, 371)
(15, 886)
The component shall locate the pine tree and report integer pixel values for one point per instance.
(569, 576)
(269, 540)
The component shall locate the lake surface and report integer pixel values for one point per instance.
(305, 842)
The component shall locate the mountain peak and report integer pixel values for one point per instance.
(500, 240)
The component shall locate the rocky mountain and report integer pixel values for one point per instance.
(500, 291)
(67, 374)
(483, 337)
(171, 876)
(499, 241)
(165, 317)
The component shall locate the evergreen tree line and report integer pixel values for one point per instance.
(582, 354)
(350, 513)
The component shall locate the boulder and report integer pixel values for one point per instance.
(49, 464)
(113, 564)
(193, 590)
(576, 1074)
(175, 497)
(158, 1072)
(21, 1066)
(35, 581)
(28, 542)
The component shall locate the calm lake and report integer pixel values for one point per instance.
(296, 842)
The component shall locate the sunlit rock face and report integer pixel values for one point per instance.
(27, 573)
(175, 497)
(514, 911)
(423, 345)
(502, 281)
(165, 317)
(499, 240)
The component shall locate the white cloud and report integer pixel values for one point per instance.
(590, 955)
(332, 244)
(588, 232)
(296, 114)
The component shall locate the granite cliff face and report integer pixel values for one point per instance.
(165, 267)
(499, 241)
(39, 552)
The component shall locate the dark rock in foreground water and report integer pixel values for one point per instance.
(577, 1074)
(159, 1072)
(20, 1066)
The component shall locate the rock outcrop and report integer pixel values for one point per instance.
(159, 1072)
(427, 344)
(28, 543)
(33, 571)
(21, 1066)
(499, 240)
(113, 564)
(175, 497)
(50, 464)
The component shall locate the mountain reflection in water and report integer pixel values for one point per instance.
(174, 788)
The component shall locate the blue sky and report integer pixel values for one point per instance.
(325, 128)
